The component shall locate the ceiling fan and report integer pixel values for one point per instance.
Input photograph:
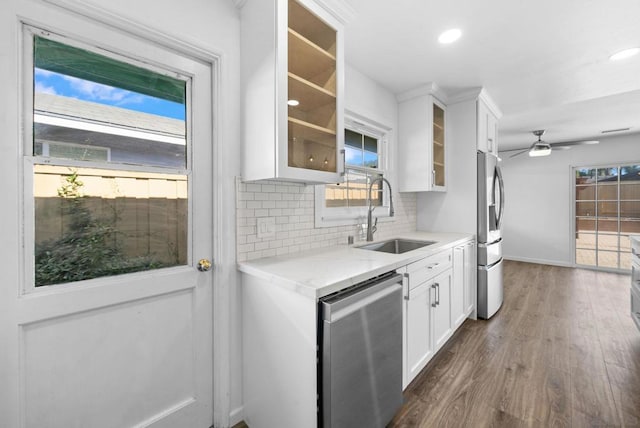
(542, 148)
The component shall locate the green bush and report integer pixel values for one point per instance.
(88, 249)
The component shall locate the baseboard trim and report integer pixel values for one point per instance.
(236, 416)
(538, 261)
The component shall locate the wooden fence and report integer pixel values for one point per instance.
(149, 211)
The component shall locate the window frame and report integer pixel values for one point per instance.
(30, 160)
(345, 216)
(596, 217)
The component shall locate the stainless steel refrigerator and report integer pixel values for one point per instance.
(490, 214)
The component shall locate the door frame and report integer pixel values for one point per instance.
(222, 276)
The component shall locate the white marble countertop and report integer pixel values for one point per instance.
(317, 273)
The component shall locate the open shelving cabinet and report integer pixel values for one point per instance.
(422, 140)
(438, 146)
(307, 121)
(312, 88)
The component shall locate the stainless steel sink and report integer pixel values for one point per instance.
(396, 246)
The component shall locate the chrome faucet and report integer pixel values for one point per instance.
(372, 228)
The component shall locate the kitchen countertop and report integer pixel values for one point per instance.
(317, 273)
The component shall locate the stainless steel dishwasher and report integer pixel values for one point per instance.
(360, 352)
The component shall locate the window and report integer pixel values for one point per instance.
(344, 203)
(607, 211)
(108, 162)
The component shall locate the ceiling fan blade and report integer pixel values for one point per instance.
(519, 153)
(573, 143)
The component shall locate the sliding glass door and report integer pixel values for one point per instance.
(607, 211)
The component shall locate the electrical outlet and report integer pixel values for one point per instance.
(266, 227)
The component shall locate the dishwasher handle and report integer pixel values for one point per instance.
(339, 307)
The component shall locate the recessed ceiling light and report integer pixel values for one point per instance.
(293, 103)
(450, 36)
(624, 54)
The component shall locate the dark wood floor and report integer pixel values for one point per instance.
(561, 352)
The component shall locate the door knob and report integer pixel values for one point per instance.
(204, 265)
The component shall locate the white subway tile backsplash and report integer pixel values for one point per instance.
(292, 206)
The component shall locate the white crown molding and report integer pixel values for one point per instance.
(493, 107)
(465, 95)
(477, 93)
(340, 9)
(427, 89)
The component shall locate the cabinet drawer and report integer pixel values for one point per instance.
(429, 267)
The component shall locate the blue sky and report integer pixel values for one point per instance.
(50, 82)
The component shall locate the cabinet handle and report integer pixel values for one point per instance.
(437, 294)
(433, 266)
(435, 303)
(344, 162)
(433, 177)
(406, 286)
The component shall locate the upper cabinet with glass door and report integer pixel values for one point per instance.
(292, 78)
(422, 150)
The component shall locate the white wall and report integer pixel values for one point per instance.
(455, 210)
(538, 198)
(211, 25)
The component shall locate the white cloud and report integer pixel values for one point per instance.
(41, 88)
(98, 91)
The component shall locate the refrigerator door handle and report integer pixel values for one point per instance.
(501, 188)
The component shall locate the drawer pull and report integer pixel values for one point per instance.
(433, 266)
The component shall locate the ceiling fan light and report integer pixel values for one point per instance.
(540, 150)
(627, 53)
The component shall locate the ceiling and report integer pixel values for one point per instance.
(545, 63)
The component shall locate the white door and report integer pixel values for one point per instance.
(111, 325)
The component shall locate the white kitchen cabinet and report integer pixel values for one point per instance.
(292, 79)
(418, 341)
(426, 312)
(458, 314)
(470, 279)
(463, 289)
(422, 149)
(487, 125)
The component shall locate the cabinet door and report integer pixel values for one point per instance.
(458, 303)
(441, 309)
(482, 127)
(487, 130)
(312, 103)
(438, 155)
(470, 278)
(422, 144)
(418, 343)
(492, 134)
